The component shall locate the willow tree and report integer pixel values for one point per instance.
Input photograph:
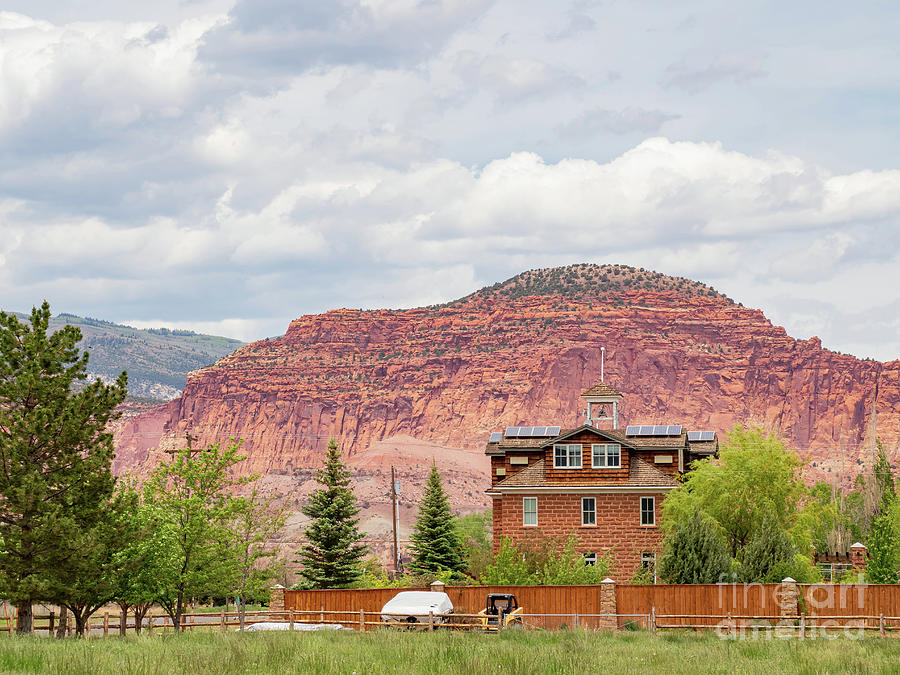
(55, 455)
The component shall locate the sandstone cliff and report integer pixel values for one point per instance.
(521, 352)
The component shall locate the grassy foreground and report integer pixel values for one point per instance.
(444, 652)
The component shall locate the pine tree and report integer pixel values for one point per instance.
(769, 550)
(332, 556)
(694, 553)
(436, 539)
(55, 455)
(884, 557)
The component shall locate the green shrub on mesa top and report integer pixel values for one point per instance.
(544, 562)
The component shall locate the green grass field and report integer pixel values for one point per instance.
(444, 652)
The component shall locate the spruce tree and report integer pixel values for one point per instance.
(436, 539)
(332, 556)
(694, 553)
(55, 456)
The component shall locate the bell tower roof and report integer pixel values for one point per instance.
(602, 389)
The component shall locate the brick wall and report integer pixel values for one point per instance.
(618, 525)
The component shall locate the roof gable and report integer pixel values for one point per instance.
(602, 433)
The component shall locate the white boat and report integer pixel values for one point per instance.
(411, 607)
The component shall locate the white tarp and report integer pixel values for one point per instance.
(412, 606)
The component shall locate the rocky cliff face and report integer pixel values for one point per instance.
(520, 353)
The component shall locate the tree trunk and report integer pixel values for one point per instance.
(140, 611)
(79, 623)
(123, 617)
(179, 610)
(63, 622)
(24, 617)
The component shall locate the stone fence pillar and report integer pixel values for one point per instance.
(608, 605)
(859, 557)
(276, 598)
(787, 597)
(438, 586)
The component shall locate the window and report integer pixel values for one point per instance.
(589, 558)
(648, 510)
(588, 511)
(606, 456)
(529, 511)
(567, 456)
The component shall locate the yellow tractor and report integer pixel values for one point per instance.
(502, 611)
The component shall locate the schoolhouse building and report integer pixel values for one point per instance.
(602, 482)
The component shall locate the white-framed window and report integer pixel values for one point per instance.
(606, 456)
(648, 510)
(588, 511)
(589, 558)
(529, 511)
(567, 456)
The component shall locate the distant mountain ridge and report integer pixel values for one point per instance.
(157, 360)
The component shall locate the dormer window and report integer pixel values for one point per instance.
(567, 456)
(606, 456)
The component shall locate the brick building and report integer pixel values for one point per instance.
(604, 483)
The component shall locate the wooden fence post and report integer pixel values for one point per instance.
(652, 622)
(223, 622)
(362, 620)
(321, 613)
(431, 621)
(105, 624)
(291, 620)
(575, 622)
(50, 630)
(802, 625)
(881, 625)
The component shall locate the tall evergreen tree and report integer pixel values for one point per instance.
(436, 539)
(769, 550)
(55, 455)
(694, 553)
(332, 556)
(884, 557)
(884, 478)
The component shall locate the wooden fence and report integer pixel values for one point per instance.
(648, 606)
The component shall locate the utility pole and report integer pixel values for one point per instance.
(395, 517)
(190, 439)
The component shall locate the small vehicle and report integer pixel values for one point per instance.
(410, 608)
(502, 611)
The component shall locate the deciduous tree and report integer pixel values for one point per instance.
(190, 512)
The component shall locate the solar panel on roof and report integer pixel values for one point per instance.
(646, 430)
(512, 432)
(674, 430)
(660, 430)
(693, 436)
(707, 435)
(632, 431)
(496, 437)
(553, 431)
(539, 431)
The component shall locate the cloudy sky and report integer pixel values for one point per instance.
(228, 165)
